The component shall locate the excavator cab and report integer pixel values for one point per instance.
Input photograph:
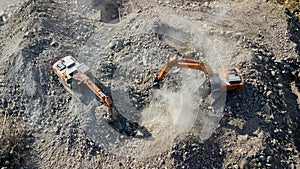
(234, 77)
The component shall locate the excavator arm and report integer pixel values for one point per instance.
(181, 63)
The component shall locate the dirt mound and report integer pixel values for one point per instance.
(14, 141)
(124, 42)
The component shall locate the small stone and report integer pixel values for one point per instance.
(283, 112)
(111, 45)
(54, 44)
(268, 164)
(273, 73)
(134, 100)
(269, 93)
(267, 108)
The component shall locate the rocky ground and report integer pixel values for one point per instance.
(124, 42)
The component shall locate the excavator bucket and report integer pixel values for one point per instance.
(155, 82)
(205, 88)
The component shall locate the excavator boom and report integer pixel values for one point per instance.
(184, 63)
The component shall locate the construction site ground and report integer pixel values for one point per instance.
(124, 42)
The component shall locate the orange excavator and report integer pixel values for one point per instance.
(228, 79)
(68, 69)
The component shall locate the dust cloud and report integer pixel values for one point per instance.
(185, 106)
(171, 114)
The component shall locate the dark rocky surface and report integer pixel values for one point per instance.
(260, 123)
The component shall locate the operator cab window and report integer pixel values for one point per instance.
(61, 66)
(68, 62)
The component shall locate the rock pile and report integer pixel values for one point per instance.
(260, 126)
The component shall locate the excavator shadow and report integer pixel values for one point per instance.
(82, 93)
(118, 122)
(127, 127)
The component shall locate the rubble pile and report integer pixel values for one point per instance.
(124, 43)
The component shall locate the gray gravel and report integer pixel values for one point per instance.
(257, 127)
